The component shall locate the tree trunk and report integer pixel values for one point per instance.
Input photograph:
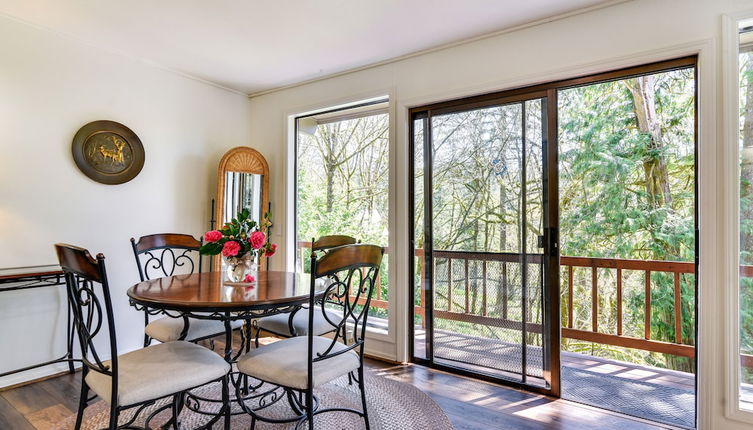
(330, 165)
(658, 195)
(654, 164)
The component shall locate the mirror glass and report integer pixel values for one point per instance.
(242, 183)
(243, 190)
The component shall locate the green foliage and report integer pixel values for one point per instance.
(342, 182)
(606, 208)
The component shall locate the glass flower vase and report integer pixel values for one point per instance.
(241, 269)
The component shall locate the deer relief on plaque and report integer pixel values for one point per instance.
(108, 152)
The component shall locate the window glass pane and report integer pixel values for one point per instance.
(745, 139)
(342, 169)
(627, 235)
(419, 268)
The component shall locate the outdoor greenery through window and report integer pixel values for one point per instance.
(627, 191)
(745, 138)
(342, 185)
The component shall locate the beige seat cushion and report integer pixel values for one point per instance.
(279, 323)
(285, 362)
(158, 371)
(168, 329)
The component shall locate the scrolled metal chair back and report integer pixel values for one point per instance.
(352, 271)
(82, 273)
(160, 255)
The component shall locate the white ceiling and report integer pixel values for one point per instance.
(255, 45)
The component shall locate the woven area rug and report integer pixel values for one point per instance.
(392, 405)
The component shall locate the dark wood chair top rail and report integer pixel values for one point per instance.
(165, 240)
(206, 292)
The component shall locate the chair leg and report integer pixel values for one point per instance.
(177, 398)
(114, 412)
(362, 387)
(226, 400)
(310, 407)
(82, 403)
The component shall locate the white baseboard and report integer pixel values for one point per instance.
(38, 373)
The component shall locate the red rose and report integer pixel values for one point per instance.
(213, 236)
(257, 239)
(249, 278)
(231, 248)
(271, 251)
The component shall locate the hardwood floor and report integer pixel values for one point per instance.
(470, 404)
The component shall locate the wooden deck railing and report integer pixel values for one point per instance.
(460, 309)
(674, 268)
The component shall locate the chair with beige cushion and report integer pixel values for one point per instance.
(137, 378)
(290, 325)
(301, 364)
(167, 254)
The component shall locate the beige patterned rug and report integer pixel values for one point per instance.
(392, 405)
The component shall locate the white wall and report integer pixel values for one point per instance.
(628, 33)
(50, 86)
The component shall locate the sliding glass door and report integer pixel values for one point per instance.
(481, 252)
(608, 160)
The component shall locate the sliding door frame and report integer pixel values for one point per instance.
(550, 338)
(551, 306)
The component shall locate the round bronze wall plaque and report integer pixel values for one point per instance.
(108, 152)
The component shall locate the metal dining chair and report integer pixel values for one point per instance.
(300, 364)
(139, 377)
(287, 325)
(166, 254)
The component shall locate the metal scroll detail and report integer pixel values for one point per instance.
(165, 262)
(88, 319)
(216, 315)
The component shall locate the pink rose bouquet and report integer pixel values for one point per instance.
(240, 237)
(230, 249)
(213, 236)
(257, 239)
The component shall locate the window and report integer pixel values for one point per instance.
(745, 142)
(342, 185)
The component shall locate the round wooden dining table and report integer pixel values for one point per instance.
(209, 296)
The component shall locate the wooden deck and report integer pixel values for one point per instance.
(631, 371)
(662, 395)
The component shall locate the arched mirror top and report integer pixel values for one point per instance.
(244, 160)
(242, 183)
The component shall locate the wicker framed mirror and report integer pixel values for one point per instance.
(242, 182)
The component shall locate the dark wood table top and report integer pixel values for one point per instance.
(209, 292)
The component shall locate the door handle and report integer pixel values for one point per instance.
(554, 241)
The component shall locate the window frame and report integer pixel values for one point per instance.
(731, 206)
(382, 342)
